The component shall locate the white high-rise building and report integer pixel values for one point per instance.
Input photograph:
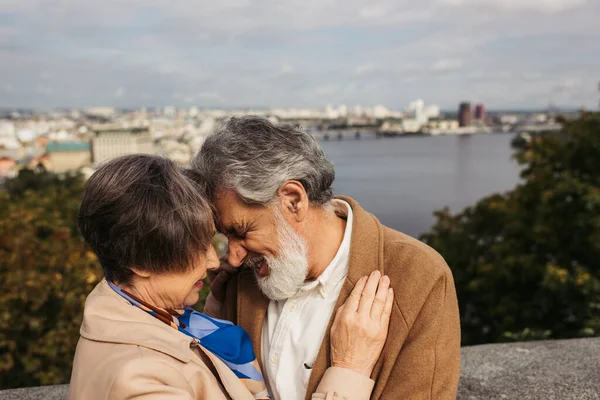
(421, 113)
(432, 111)
(331, 112)
(380, 111)
(169, 112)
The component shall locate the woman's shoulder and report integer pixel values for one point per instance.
(125, 369)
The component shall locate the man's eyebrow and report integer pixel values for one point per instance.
(235, 228)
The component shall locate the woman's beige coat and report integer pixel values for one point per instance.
(124, 353)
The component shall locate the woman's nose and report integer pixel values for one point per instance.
(213, 260)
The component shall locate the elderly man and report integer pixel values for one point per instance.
(305, 250)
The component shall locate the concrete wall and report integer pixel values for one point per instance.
(549, 370)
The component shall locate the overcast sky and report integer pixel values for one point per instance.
(266, 53)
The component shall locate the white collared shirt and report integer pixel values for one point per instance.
(294, 328)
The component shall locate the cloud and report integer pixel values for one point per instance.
(327, 90)
(533, 76)
(287, 69)
(447, 65)
(120, 92)
(568, 84)
(210, 95)
(45, 90)
(296, 52)
(197, 97)
(542, 6)
(372, 12)
(365, 69)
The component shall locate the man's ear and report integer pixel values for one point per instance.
(294, 200)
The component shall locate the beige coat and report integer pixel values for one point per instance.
(124, 353)
(421, 357)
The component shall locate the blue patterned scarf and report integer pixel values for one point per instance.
(230, 343)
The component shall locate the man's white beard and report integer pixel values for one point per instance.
(288, 271)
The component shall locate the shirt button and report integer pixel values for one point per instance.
(274, 359)
(293, 308)
(325, 289)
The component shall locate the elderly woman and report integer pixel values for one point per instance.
(151, 229)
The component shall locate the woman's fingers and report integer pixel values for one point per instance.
(387, 309)
(380, 298)
(354, 298)
(368, 294)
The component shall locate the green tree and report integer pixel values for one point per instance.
(527, 262)
(46, 272)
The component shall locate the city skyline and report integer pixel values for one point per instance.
(506, 54)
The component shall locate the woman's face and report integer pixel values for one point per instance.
(176, 290)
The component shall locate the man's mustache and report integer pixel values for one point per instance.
(254, 262)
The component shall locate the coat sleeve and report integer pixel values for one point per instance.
(143, 379)
(227, 309)
(428, 364)
(343, 384)
(213, 307)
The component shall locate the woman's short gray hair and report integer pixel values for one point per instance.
(254, 157)
(140, 210)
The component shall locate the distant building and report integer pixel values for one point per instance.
(170, 112)
(104, 112)
(480, 112)
(464, 114)
(68, 156)
(380, 111)
(37, 162)
(114, 142)
(509, 119)
(7, 167)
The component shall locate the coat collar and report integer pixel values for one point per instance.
(366, 255)
(108, 317)
(252, 307)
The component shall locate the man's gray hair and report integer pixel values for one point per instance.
(254, 157)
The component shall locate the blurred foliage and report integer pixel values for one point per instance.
(46, 272)
(527, 262)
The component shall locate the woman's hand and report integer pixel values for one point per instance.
(361, 325)
(219, 278)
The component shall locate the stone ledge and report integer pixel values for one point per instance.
(58, 392)
(549, 370)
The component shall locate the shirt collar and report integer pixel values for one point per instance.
(337, 269)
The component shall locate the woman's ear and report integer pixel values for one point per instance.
(294, 200)
(140, 272)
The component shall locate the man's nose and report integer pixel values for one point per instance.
(237, 254)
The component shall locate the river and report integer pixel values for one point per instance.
(403, 180)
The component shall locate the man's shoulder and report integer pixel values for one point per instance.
(414, 269)
(398, 247)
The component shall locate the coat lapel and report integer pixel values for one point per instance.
(251, 310)
(366, 255)
(231, 383)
